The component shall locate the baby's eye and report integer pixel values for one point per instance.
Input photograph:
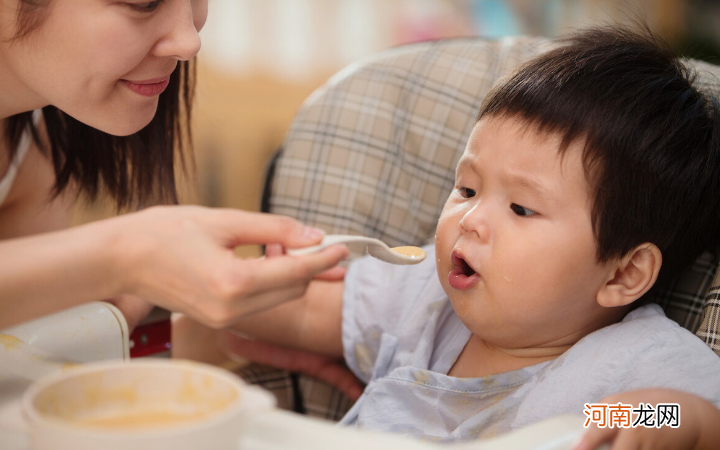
(521, 211)
(146, 6)
(467, 192)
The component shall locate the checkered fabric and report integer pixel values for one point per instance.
(297, 392)
(374, 150)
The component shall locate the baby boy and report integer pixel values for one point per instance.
(590, 177)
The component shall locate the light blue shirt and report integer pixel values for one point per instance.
(401, 337)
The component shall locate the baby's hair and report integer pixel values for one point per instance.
(652, 140)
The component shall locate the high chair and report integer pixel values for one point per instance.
(373, 152)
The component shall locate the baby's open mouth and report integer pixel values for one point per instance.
(463, 265)
(462, 276)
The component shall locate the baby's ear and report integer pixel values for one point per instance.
(631, 276)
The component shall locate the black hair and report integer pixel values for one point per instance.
(133, 170)
(651, 139)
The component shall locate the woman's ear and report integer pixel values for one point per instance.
(631, 276)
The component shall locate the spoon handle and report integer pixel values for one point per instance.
(375, 248)
(333, 239)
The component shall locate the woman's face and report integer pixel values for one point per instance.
(103, 62)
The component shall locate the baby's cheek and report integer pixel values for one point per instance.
(503, 270)
(515, 277)
(553, 279)
(444, 239)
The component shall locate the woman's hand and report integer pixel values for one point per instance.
(324, 368)
(699, 424)
(337, 273)
(182, 258)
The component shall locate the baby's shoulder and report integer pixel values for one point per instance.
(648, 326)
(644, 341)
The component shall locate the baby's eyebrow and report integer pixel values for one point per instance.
(528, 183)
(518, 179)
(466, 163)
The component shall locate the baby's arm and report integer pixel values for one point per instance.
(698, 428)
(311, 323)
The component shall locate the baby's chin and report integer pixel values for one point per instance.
(461, 301)
(475, 310)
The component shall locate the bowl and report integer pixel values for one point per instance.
(143, 404)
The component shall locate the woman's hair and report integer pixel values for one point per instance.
(652, 139)
(133, 170)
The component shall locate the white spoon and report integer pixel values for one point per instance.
(375, 248)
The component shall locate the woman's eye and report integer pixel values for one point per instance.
(467, 192)
(521, 211)
(146, 6)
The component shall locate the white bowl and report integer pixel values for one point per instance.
(148, 404)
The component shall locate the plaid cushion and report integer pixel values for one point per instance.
(374, 150)
(297, 392)
(684, 297)
(709, 330)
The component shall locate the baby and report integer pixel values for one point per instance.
(590, 177)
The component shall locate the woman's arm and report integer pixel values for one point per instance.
(181, 258)
(45, 273)
(311, 323)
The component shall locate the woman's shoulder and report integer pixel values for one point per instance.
(11, 162)
(29, 207)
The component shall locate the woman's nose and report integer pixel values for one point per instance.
(476, 221)
(182, 41)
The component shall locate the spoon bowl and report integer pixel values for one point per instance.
(375, 248)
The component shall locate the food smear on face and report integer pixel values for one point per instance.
(410, 251)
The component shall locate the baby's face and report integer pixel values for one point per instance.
(514, 245)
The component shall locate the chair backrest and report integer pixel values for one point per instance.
(374, 150)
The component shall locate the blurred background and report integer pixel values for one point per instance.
(261, 58)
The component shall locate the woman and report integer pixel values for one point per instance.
(114, 82)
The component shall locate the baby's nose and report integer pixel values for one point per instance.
(476, 221)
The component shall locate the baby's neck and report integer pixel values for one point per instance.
(478, 359)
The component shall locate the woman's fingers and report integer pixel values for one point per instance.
(337, 273)
(242, 227)
(222, 313)
(272, 250)
(252, 286)
(261, 301)
(279, 272)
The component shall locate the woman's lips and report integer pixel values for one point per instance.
(149, 88)
(462, 276)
